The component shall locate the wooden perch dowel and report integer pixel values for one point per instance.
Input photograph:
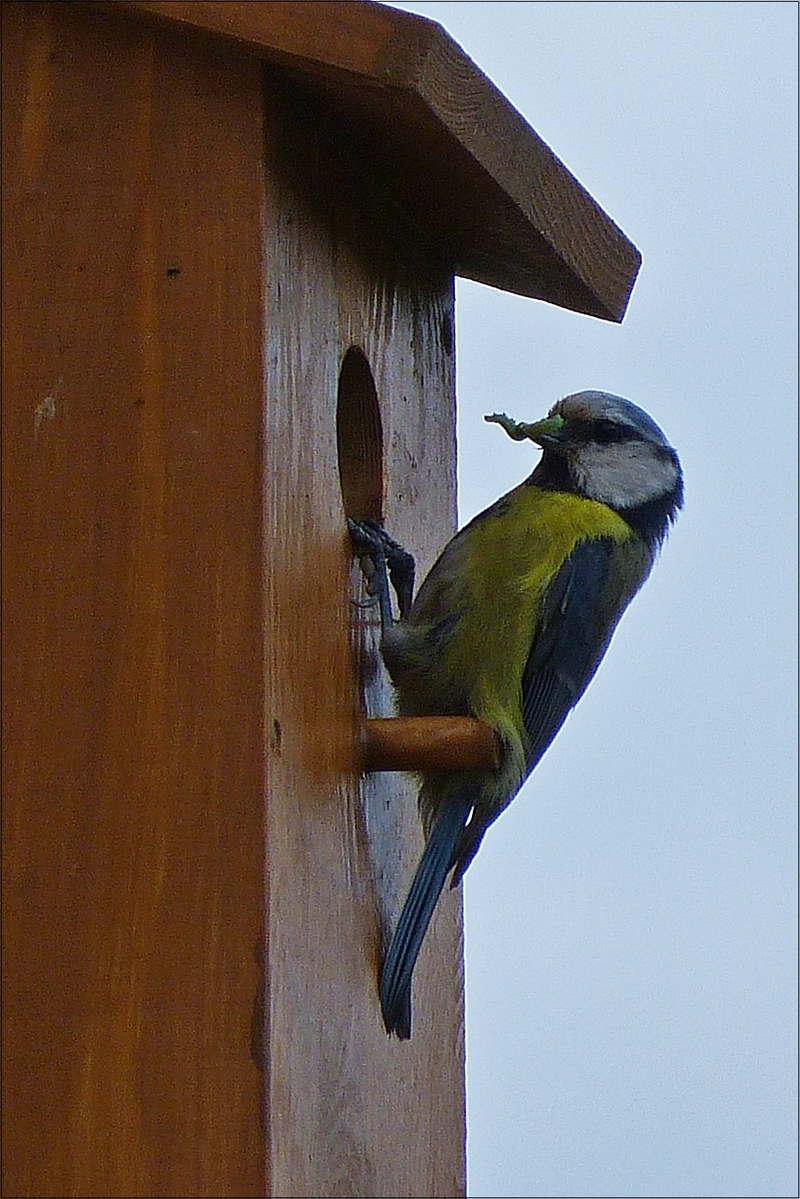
(427, 743)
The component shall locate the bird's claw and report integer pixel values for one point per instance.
(382, 558)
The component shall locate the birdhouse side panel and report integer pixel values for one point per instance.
(132, 752)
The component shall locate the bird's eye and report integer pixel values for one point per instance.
(605, 432)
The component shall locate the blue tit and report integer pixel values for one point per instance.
(512, 622)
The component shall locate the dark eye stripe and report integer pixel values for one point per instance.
(603, 432)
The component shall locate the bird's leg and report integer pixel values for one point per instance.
(383, 559)
(401, 571)
(372, 558)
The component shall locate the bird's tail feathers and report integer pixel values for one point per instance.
(436, 860)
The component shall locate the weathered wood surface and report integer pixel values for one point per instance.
(487, 193)
(351, 1112)
(180, 706)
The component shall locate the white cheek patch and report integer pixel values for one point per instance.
(624, 474)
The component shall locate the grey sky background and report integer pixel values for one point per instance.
(631, 919)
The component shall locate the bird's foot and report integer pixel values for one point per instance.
(383, 559)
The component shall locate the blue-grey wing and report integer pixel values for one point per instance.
(579, 613)
(578, 616)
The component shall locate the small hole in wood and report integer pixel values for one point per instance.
(359, 439)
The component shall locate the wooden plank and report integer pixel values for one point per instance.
(133, 773)
(352, 1113)
(485, 190)
(355, 36)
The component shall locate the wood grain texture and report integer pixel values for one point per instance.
(488, 192)
(351, 1112)
(133, 767)
(178, 630)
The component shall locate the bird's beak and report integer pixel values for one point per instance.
(546, 432)
(543, 432)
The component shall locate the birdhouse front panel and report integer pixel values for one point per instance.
(359, 422)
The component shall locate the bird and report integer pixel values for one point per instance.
(512, 621)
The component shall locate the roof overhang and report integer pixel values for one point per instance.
(459, 157)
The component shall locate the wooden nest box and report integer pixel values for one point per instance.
(230, 234)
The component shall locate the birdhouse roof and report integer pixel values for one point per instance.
(457, 154)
